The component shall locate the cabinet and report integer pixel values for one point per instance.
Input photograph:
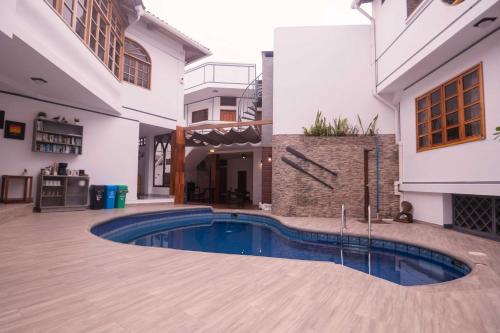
(62, 193)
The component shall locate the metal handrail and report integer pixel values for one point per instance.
(369, 225)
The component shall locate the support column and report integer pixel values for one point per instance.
(172, 163)
(179, 162)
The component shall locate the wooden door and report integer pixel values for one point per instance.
(227, 115)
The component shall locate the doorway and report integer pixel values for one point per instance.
(242, 181)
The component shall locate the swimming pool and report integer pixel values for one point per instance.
(245, 234)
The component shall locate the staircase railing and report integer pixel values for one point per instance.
(250, 100)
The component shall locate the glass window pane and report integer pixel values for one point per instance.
(436, 110)
(436, 124)
(450, 89)
(422, 104)
(436, 97)
(472, 112)
(422, 116)
(451, 104)
(437, 138)
(80, 29)
(473, 129)
(422, 129)
(67, 14)
(452, 119)
(471, 96)
(453, 134)
(471, 80)
(423, 141)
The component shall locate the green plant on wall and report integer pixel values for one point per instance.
(320, 127)
(372, 126)
(497, 133)
(339, 127)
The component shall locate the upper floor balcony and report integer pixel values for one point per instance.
(226, 79)
(416, 36)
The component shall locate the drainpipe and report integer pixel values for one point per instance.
(395, 108)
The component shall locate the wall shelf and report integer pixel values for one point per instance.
(51, 136)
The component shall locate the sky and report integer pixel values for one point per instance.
(237, 30)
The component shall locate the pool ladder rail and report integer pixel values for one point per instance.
(343, 224)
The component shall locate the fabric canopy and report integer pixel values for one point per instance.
(216, 137)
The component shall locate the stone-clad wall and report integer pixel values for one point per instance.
(296, 194)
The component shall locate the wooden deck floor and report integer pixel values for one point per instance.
(57, 277)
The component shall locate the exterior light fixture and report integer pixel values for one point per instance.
(38, 80)
(485, 22)
(269, 159)
(215, 91)
(244, 156)
(212, 150)
(260, 164)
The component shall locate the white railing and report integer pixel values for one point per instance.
(219, 73)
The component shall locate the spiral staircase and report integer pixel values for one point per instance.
(250, 101)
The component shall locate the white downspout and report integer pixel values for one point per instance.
(395, 108)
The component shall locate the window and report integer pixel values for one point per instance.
(451, 113)
(228, 115)
(100, 24)
(228, 101)
(411, 5)
(137, 66)
(200, 115)
(162, 161)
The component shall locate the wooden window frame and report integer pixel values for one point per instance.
(136, 62)
(202, 110)
(113, 8)
(460, 110)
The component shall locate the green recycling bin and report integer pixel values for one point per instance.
(121, 195)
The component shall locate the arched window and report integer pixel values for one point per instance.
(137, 65)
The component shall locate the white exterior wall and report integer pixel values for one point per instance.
(326, 69)
(460, 168)
(402, 43)
(213, 106)
(165, 98)
(37, 25)
(110, 147)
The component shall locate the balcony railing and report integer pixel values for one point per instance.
(219, 74)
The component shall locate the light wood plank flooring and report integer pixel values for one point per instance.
(57, 277)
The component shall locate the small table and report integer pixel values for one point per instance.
(27, 192)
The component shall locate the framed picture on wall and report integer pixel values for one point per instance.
(14, 130)
(2, 118)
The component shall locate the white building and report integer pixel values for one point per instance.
(115, 67)
(438, 63)
(219, 93)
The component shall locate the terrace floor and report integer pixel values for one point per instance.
(56, 276)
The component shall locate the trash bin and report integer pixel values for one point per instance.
(97, 196)
(121, 195)
(110, 196)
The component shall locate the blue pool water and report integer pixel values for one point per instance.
(244, 234)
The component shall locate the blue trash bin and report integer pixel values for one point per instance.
(110, 196)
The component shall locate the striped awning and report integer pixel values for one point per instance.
(217, 137)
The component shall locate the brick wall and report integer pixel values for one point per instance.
(267, 175)
(296, 194)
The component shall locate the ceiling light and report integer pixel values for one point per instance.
(215, 91)
(38, 80)
(212, 150)
(485, 22)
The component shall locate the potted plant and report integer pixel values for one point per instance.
(497, 133)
